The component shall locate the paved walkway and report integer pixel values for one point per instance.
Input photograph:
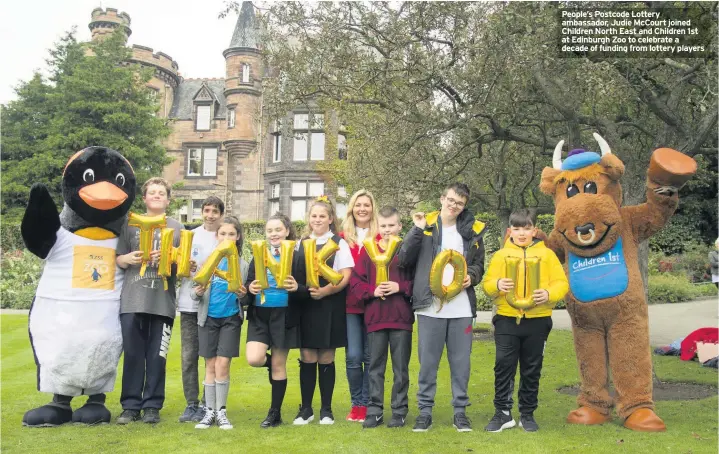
(667, 322)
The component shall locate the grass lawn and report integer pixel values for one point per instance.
(692, 425)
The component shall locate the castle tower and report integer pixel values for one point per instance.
(105, 22)
(243, 85)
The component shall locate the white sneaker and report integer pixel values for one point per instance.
(222, 420)
(208, 420)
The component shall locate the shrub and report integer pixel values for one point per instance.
(693, 262)
(21, 274)
(674, 288)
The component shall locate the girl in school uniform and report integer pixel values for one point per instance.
(219, 317)
(359, 223)
(323, 324)
(274, 323)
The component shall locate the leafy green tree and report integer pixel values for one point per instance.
(92, 97)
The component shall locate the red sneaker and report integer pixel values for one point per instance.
(354, 414)
(362, 413)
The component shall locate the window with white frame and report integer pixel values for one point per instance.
(231, 118)
(196, 209)
(274, 207)
(202, 162)
(297, 212)
(317, 146)
(245, 73)
(302, 121)
(274, 198)
(303, 191)
(203, 118)
(318, 121)
(300, 147)
(277, 141)
(317, 188)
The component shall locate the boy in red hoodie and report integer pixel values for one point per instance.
(389, 318)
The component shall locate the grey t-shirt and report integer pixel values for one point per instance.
(146, 293)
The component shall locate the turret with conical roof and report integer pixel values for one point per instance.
(243, 86)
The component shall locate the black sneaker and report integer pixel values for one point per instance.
(151, 416)
(304, 416)
(500, 421)
(423, 423)
(372, 421)
(273, 419)
(326, 416)
(189, 413)
(128, 416)
(462, 423)
(396, 421)
(528, 423)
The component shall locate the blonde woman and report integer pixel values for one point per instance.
(359, 223)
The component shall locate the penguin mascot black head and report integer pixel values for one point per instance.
(75, 316)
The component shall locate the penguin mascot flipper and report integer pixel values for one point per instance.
(40, 222)
(74, 321)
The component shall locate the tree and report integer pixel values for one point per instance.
(437, 91)
(93, 97)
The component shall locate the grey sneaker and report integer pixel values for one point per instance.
(189, 413)
(151, 416)
(462, 423)
(199, 413)
(500, 421)
(208, 420)
(128, 416)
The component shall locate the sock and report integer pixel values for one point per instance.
(222, 388)
(278, 393)
(327, 384)
(210, 396)
(308, 381)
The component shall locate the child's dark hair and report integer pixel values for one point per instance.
(240, 236)
(215, 202)
(523, 217)
(460, 189)
(388, 211)
(292, 235)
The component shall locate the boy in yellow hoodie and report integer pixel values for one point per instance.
(521, 335)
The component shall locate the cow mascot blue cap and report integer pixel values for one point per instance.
(75, 316)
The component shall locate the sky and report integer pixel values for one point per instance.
(188, 31)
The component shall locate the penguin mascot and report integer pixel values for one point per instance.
(74, 320)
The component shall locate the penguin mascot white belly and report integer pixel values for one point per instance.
(74, 320)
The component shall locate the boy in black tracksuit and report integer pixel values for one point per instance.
(147, 312)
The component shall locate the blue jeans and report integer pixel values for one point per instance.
(357, 355)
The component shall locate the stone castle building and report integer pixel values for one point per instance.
(221, 141)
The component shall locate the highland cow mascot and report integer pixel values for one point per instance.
(74, 319)
(598, 238)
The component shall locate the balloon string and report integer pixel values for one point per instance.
(262, 297)
(142, 269)
(164, 282)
